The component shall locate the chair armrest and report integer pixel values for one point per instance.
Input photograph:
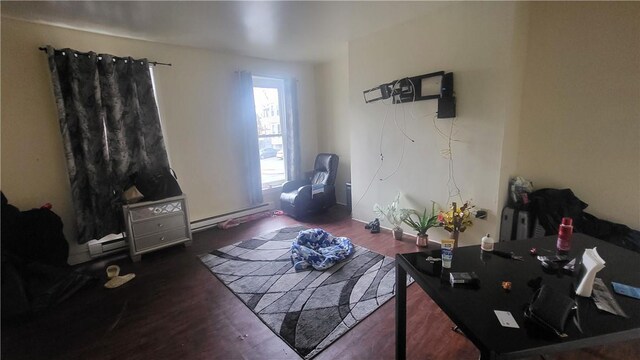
(294, 184)
(305, 191)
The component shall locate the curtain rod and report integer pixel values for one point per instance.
(154, 63)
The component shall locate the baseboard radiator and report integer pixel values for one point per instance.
(118, 242)
(204, 224)
(107, 245)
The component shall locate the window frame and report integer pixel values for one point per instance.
(263, 81)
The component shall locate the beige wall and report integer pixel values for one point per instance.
(194, 103)
(510, 132)
(533, 80)
(332, 103)
(476, 42)
(580, 126)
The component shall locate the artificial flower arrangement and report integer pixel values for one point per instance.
(394, 215)
(456, 219)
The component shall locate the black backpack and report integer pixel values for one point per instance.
(157, 184)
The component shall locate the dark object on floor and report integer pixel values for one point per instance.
(29, 287)
(549, 206)
(368, 226)
(304, 197)
(35, 274)
(375, 226)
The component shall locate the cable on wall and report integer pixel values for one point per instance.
(404, 145)
(452, 187)
(395, 120)
(447, 153)
(381, 158)
(402, 129)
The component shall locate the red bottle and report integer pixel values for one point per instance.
(564, 235)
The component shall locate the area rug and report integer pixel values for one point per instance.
(308, 309)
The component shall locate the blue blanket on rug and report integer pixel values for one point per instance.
(319, 249)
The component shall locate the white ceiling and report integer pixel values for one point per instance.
(312, 31)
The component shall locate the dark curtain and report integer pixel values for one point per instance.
(110, 129)
(292, 138)
(247, 116)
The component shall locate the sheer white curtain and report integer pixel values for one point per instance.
(246, 110)
(294, 172)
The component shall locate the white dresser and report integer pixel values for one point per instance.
(153, 225)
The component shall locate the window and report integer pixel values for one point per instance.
(155, 95)
(268, 94)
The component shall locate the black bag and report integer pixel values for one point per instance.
(550, 309)
(34, 234)
(157, 184)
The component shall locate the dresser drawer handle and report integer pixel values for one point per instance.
(162, 238)
(160, 225)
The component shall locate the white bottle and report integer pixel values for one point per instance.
(487, 243)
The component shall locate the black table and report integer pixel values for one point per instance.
(472, 309)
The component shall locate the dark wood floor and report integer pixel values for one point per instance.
(176, 309)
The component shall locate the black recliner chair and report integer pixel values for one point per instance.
(297, 200)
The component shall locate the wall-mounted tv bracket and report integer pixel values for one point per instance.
(410, 89)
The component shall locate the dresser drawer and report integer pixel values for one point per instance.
(156, 210)
(153, 225)
(158, 224)
(143, 243)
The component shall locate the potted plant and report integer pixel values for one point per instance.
(422, 223)
(394, 215)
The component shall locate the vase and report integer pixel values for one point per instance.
(397, 233)
(422, 240)
(454, 235)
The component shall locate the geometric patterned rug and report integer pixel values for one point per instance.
(308, 309)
